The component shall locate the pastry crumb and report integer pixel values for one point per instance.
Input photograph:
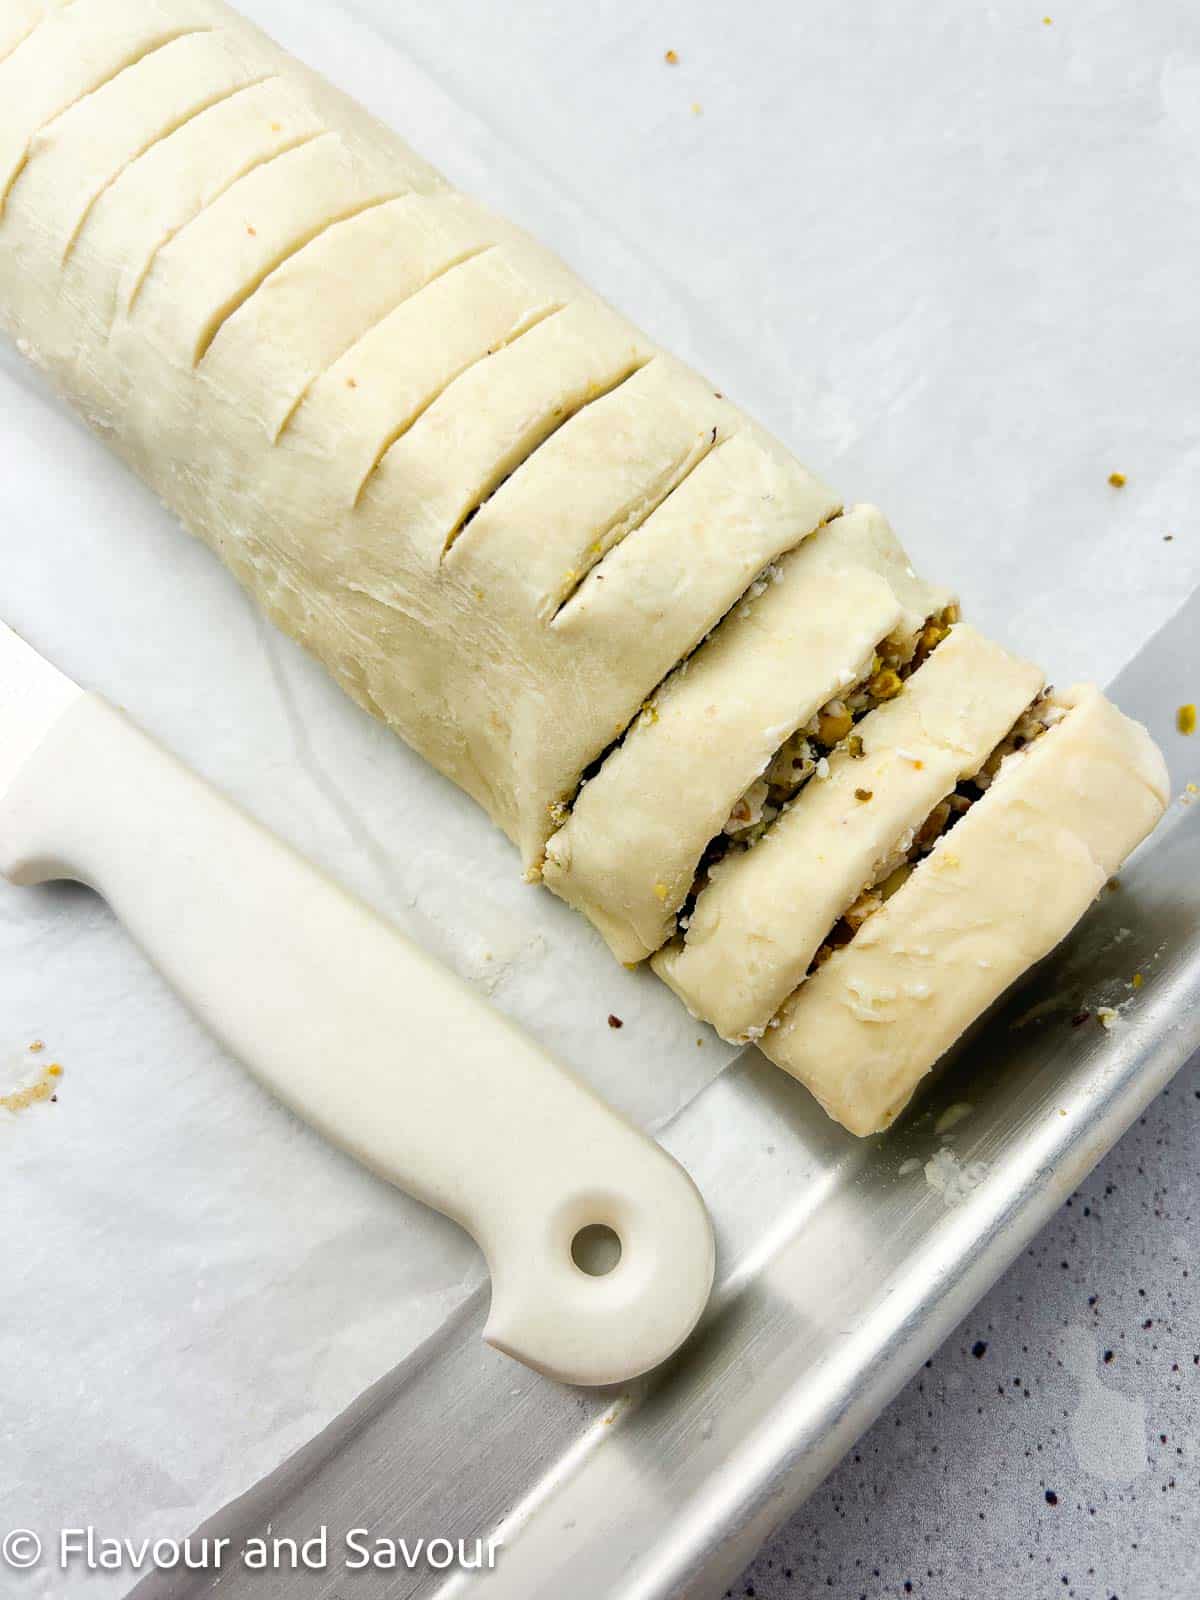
(671, 57)
(1109, 1017)
(29, 1083)
(615, 1021)
(947, 1176)
(1185, 719)
(1117, 479)
(958, 1112)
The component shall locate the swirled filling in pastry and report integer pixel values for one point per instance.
(1042, 714)
(805, 755)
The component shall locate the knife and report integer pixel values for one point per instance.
(363, 1035)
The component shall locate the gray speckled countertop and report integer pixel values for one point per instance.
(1052, 1446)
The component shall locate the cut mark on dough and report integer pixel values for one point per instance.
(37, 21)
(594, 575)
(219, 98)
(236, 301)
(526, 325)
(557, 420)
(470, 254)
(682, 471)
(650, 693)
(647, 696)
(138, 53)
(28, 34)
(253, 165)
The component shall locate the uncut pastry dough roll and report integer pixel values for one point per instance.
(996, 894)
(503, 519)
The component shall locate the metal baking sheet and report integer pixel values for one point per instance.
(841, 1271)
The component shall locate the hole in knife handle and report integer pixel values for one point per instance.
(596, 1249)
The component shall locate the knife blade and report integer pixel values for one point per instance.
(33, 695)
(445, 1098)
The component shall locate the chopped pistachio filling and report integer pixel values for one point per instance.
(806, 753)
(647, 713)
(1043, 713)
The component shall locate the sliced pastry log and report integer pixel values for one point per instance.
(628, 853)
(996, 894)
(504, 519)
(761, 918)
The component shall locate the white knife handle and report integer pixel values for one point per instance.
(377, 1046)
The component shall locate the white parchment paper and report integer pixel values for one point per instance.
(946, 252)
